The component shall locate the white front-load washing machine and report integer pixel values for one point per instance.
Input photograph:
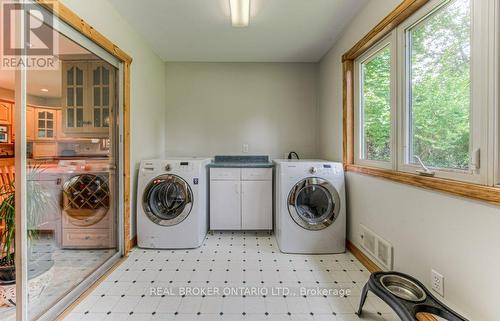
(310, 213)
(172, 210)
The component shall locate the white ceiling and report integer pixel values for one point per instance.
(200, 30)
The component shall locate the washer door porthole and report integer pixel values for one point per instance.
(314, 203)
(167, 200)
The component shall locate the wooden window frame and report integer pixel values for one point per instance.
(389, 42)
(478, 89)
(58, 9)
(403, 11)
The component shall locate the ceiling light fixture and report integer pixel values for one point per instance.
(240, 12)
(45, 90)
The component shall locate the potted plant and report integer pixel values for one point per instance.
(38, 199)
(8, 216)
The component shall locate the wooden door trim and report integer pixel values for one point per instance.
(65, 14)
(58, 9)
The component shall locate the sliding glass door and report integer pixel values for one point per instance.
(60, 202)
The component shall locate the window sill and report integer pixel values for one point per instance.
(482, 193)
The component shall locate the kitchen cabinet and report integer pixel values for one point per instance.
(78, 234)
(88, 97)
(60, 134)
(88, 215)
(45, 124)
(241, 198)
(44, 149)
(102, 88)
(33, 127)
(30, 124)
(49, 215)
(75, 97)
(87, 239)
(5, 113)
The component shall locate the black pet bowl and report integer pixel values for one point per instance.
(406, 296)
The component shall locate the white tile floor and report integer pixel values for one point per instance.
(248, 264)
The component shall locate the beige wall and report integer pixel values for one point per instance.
(214, 108)
(457, 237)
(147, 82)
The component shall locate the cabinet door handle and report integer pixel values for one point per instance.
(237, 189)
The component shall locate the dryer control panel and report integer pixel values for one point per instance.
(327, 169)
(312, 169)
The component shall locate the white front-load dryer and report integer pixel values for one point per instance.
(310, 213)
(172, 203)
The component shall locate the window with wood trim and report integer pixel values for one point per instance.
(438, 91)
(421, 94)
(375, 115)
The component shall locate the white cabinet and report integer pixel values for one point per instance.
(225, 205)
(256, 205)
(241, 199)
(48, 216)
(225, 174)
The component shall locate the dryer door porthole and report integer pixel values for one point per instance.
(314, 203)
(167, 200)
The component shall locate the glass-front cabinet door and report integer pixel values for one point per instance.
(102, 95)
(45, 124)
(89, 89)
(74, 100)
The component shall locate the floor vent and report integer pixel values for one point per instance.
(377, 248)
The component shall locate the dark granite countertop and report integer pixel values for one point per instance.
(241, 162)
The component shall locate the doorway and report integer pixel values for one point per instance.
(61, 169)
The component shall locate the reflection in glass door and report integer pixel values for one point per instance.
(67, 119)
(71, 179)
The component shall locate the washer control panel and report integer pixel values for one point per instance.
(155, 166)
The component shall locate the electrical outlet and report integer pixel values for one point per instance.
(245, 148)
(437, 282)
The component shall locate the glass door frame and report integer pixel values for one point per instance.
(121, 127)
